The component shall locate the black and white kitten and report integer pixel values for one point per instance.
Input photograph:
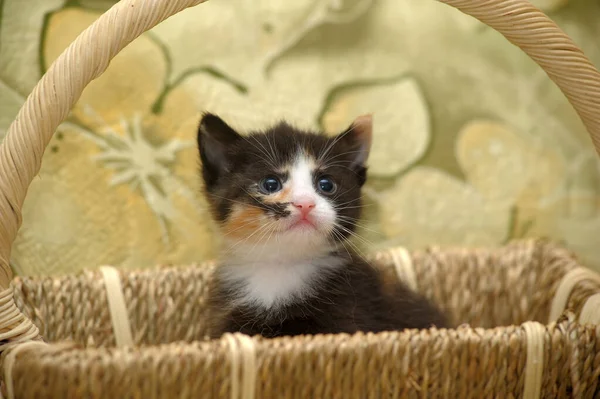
(286, 200)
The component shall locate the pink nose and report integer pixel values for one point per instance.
(304, 205)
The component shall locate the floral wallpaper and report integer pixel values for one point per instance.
(473, 145)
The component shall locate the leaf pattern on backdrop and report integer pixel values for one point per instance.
(473, 143)
(145, 167)
(401, 122)
(252, 35)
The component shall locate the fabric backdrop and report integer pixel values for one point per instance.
(473, 144)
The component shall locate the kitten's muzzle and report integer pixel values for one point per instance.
(304, 205)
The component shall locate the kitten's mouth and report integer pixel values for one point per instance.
(302, 223)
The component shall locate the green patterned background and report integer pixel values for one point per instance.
(473, 143)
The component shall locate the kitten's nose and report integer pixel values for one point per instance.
(304, 205)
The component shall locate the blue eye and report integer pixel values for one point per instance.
(270, 185)
(326, 185)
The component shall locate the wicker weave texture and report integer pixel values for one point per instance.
(462, 363)
(484, 288)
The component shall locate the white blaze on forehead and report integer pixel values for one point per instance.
(302, 187)
(301, 177)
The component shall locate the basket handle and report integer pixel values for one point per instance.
(45, 108)
(53, 97)
(89, 55)
(541, 39)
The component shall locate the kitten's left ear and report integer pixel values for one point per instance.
(215, 139)
(358, 137)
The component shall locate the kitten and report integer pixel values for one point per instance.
(286, 202)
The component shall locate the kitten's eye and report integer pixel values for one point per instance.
(270, 185)
(326, 185)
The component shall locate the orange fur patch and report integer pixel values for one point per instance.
(244, 220)
(279, 197)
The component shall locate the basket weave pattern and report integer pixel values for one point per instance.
(543, 350)
(465, 363)
(484, 288)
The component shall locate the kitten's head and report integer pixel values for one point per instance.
(295, 190)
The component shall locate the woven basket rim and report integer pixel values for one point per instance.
(533, 248)
(454, 333)
(247, 356)
(211, 263)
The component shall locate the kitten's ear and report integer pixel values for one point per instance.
(358, 137)
(214, 137)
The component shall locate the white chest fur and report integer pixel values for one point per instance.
(272, 283)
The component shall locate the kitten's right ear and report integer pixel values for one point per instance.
(214, 138)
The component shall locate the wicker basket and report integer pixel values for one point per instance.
(141, 334)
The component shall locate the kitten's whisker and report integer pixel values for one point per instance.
(270, 231)
(351, 188)
(351, 207)
(328, 160)
(366, 244)
(262, 227)
(347, 202)
(270, 227)
(334, 142)
(267, 231)
(248, 223)
(359, 225)
(340, 240)
(253, 197)
(357, 250)
(269, 157)
(341, 166)
(270, 145)
(345, 241)
(354, 234)
(348, 219)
